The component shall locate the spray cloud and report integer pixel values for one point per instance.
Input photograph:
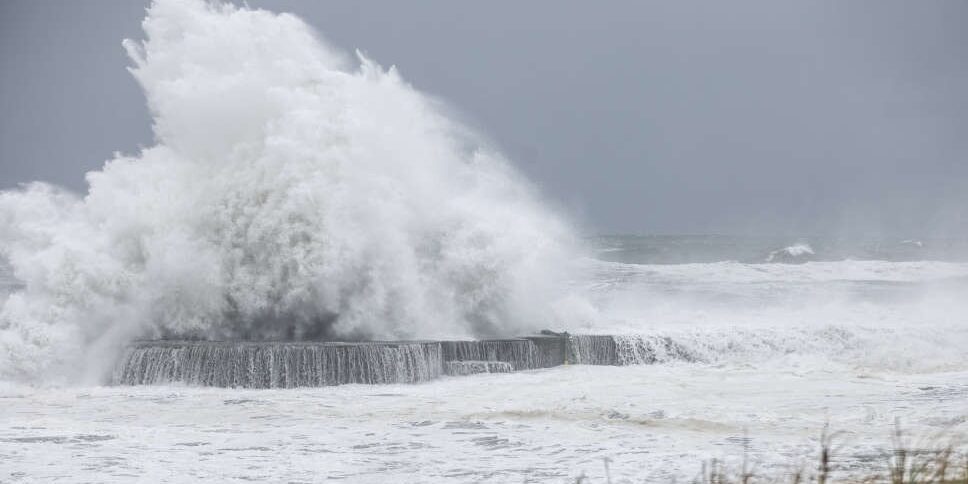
(291, 193)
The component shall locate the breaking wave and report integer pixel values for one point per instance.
(293, 192)
(794, 253)
(905, 316)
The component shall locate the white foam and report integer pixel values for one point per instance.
(906, 316)
(655, 423)
(292, 191)
(794, 252)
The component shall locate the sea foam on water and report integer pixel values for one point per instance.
(293, 193)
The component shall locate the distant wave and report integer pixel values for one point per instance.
(684, 249)
(794, 253)
(812, 271)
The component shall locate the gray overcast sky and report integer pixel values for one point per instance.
(638, 116)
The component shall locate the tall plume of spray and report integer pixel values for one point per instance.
(292, 193)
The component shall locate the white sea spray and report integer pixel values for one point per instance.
(292, 192)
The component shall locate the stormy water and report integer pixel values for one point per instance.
(687, 361)
(300, 203)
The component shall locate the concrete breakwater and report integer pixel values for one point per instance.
(278, 364)
(300, 364)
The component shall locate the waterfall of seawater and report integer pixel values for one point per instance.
(278, 365)
(464, 368)
(301, 364)
(592, 350)
(521, 354)
(626, 350)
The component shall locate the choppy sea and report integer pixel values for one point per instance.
(792, 335)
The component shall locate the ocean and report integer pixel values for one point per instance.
(295, 192)
(779, 352)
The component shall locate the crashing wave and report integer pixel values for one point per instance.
(291, 194)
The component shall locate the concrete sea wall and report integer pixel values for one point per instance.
(308, 364)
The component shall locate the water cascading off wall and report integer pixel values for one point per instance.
(299, 364)
(278, 364)
(310, 364)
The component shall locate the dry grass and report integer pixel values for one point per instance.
(928, 464)
(935, 463)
